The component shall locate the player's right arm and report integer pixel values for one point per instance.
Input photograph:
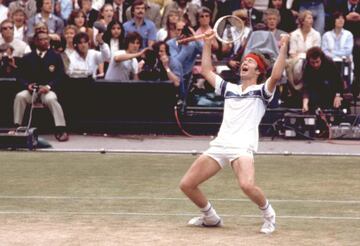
(206, 63)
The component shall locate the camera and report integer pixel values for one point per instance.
(35, 87)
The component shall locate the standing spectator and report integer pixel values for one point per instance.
(54, 23)
(169, 31)
(43, 67)
(145, 27)
(187, 10)
(255, 16)
(152, 12)
(123, 65)
(29, 7)
(3, 11)
(338, 43)
(114, 36)
(287, 19)
(316, 7)
(351, 11)
(84, 62)
(302, 39)
(7, 33)
(322, 82)
(20, 27)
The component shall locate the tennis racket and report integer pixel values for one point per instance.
(228, 29)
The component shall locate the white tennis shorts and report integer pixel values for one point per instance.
(225, 155)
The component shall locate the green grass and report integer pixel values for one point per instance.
(100, 190)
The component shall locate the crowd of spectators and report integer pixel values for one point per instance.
(124, 40)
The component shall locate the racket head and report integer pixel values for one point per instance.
(229, 29)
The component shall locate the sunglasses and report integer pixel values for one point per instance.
(7, 28)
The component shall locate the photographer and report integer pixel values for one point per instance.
(8, 67)
(160, 66)
(185, 52)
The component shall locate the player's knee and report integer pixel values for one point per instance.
(247, 186)
(185, 185)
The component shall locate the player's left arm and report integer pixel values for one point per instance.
(279, 64)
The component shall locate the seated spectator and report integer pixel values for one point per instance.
(41, 70)
(322, 82)
(271, 20)
(317, 8)
(84, 62)
(86, 7)
(145, 27)
(7, 33)
(164, 66)
(105, 16)
(187, 10)
(169, 31)
(123, 65)
(152, 12)
(338, 43)
(63, 9)
(78, 19)
(351, 11)
(236, 49)
(114, 36)
(3, 11)
(28, 6)
(203, 17)
(287, 20)
(302, 39)
(8, 67)
(69, 34)
(20, 26)
(55, 24)
(120, 7)
(255, 16)
(186, 53)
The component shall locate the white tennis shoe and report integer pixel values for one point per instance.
(202, 221)
(269, 224)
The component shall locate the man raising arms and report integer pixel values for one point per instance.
(237, 139)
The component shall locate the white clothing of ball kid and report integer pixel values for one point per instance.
(243, 111)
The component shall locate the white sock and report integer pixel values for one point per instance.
(267, 210)
(210, 213)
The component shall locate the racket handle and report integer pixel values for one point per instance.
(189, 39)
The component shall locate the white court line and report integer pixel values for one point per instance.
(304, 217)
(174, 198)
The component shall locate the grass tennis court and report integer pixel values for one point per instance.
(133, 199)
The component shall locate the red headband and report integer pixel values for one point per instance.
(258, 60)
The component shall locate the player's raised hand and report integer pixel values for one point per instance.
(284, 39)
(209, 35)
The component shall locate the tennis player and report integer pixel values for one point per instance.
(237, 139)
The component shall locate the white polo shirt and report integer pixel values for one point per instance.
(243, 111)
(120, 71)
